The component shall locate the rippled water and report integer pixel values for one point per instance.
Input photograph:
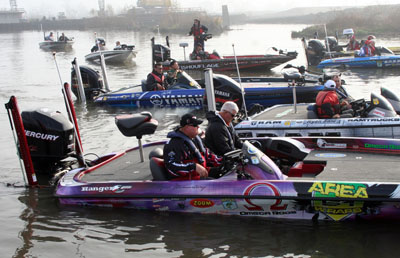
(34, 224)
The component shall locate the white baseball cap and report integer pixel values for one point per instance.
(330, 84)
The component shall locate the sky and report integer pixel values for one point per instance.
(79, 8)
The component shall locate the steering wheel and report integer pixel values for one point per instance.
(358, 106)
(230, 160)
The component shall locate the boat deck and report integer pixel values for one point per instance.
(283, 112)
(341, 166)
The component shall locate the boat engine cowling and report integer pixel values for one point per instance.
(92, 82)
(50, 137)
(226, 89)
(392, 98)
(315, 51)
(161, 53)
(379, 107)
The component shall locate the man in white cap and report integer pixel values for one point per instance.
(327, 101)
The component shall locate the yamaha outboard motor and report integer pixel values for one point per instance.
(392, 98)
(379, 107)
(50, 138)
(91, 79)
(226, 89)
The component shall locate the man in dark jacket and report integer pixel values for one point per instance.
(220, 134)
(185, 157)
(156, 79)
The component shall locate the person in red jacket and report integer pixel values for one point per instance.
(197, 30)
(327, 101)
(155, 79)
(185, 156)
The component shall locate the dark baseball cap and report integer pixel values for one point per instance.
(190, 119)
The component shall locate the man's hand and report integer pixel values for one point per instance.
(201, 170)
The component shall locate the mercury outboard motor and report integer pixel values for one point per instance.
(50, 138)
(92, 82)
(392, 98)
(379, 107)
(226, 89)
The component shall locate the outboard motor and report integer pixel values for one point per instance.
(392, 98)
(161, 53)
(333, 44)
(315, 51)
(379, 107)
(92, 82)
(226, 89)
(50, 138)
(291, 74)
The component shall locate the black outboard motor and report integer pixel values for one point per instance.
(379, 107)
(315, 51)
(333, 44)
(92, 82)
(50, 138)
(226, 89)
(392, 98)
(161, 53)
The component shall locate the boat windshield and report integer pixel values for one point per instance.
(257, 158)
(185, 78)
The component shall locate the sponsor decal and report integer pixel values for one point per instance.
(255, 160)
(251, 150)
(176, 100)
(375, 101)
(338, 210)
(330, 155)
(321, 143)
(101, 189)
(287, 123)
(222, 93)
(277, 206)
(229, 204)
(382, 146)
(379, 113)
(201, 203)
(43, 136)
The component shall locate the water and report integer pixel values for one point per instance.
(34, 225)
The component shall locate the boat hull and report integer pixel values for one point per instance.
(195, 98)
(362, 62)
(252, 63)
(293, 198)
(112, 56)
(279, 121)
(56, 45)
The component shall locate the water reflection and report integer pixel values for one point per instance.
(89, 232)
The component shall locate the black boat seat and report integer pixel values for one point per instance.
(312, 111)
(157, 152)
(158, 170)
(136, 124)
(144, 85)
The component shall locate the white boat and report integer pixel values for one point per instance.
(112, 56)
(56, 45)
(375, 118)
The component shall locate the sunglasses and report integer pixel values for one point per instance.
(233, 116)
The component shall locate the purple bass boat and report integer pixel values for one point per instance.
(313, 178)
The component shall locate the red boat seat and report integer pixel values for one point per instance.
(158, 170)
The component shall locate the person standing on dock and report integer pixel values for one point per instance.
(197, 31)
(185, 156)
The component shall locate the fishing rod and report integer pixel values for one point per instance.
(72, 116)
(240, 81)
